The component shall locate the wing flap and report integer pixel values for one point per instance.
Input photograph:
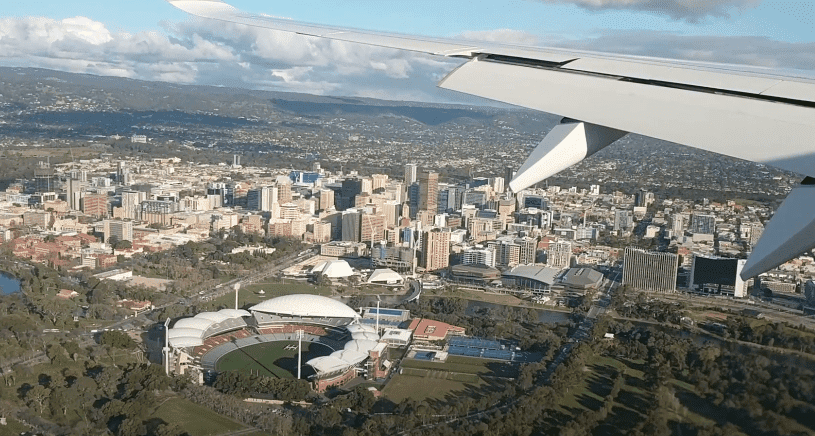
(745, 128)
(633, 69)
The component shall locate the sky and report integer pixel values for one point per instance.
(151, 40)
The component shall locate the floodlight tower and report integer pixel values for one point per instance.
(237, 287)
(166, 348)
(299, 353)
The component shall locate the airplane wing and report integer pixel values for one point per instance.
(749, 113)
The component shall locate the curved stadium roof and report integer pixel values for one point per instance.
(305, 305)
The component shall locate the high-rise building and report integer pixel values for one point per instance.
(479, 256)
(428, 191)
(372, 228)
(536, 201)
(559, 254)
(435, 249)
(643, 198)
(348, 194)
(73, 193)
(379, 181)
(44, 177)
(678, 224)
(95, 205)
(261, 198)
(528, 250)
(509, 173)
(507, 252)
(703, 223)
(650, 270)
(623, 220)
(717, 276)
(410, 174)
(326, 199)
(351, 225)
(284, 193)
(121, 230)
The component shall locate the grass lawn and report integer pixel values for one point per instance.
(453, 364)
(402, 387)
(194, 419)
(249, 295)
(12, 428)
(261, 358)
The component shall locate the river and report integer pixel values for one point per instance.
(8, 284)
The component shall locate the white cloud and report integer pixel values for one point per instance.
(214, 53)
(688, 10)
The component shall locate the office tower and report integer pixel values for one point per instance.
(643, 198)
(594, 190)
(216, 193)
(809, 293)
(435, 249)
(507, 252)
(717, 276)
(623, 220)
(559, 254)
(95, 205)
(703, 223)
(678, 224)
(348, 193)
(73, 193)
(289, 211)
(284, 193)
(536, 201)
(326, 199)
(479, 256)
(315, 167)
(351, 225)
(130, 203)
(528, 250)
(410, 174)
(497, 185)
(44, 177)
(428, 190)
(366, 186)
(122, 230)
(372, 228)
(379, 181)
(413, 199)
(392, 211)
(650, 270)
(475, 198)
(158, 212)
(262, 198)
(509, 173)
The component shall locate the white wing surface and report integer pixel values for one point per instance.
(744, 112)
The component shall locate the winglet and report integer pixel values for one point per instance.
(567, 144)
(789, 234)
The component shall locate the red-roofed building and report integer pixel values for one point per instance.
(67, 294)
(136, 307)
(432, 330)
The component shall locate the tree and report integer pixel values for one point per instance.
(38, 395)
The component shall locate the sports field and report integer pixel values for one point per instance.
(272, 359)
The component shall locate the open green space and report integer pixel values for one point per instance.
(264, 359)
(466, 365)
(420, 388)
(194, 419)
(589, 394)
(251, 295)
(12, 427)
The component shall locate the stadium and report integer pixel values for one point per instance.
(335, 345)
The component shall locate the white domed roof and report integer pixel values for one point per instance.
(306, 305)
(234, 313)
(334, 269)
(192, 323)
(213, 316)
(185, 341)
(188, 332)
(385, 275)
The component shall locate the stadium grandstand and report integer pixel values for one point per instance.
(197, 344)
